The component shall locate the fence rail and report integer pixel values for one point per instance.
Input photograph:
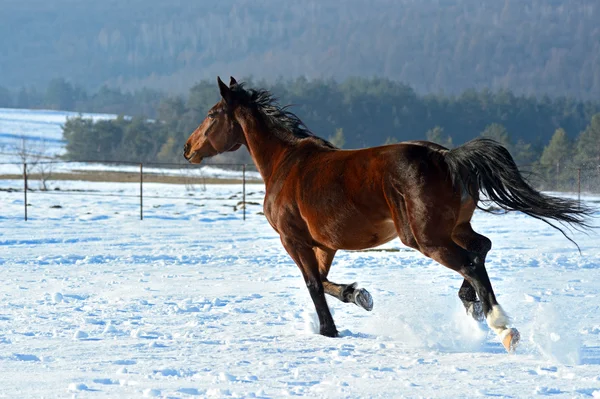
(571, 178)
(145, 169)
(565, 177)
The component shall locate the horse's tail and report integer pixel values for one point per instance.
(484, 164)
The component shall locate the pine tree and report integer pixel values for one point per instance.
(338, 138)
(436, 135)
(169, 150)
(523, 153)
(60, 95)
(588, 144)
(588, 154)
(555, 158)
(498, 132)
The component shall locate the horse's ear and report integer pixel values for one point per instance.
(232, 81)
(225, 92)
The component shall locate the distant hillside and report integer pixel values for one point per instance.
(534, 46)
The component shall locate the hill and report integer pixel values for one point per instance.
(533, 47)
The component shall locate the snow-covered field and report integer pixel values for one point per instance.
(39, 128)
(40, 132)
(194, 302)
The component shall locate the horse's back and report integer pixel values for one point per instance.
(360, 172)
(428, 144)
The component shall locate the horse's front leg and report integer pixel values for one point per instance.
(304, 256)
(344, 292)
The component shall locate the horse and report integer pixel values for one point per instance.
(321, 199)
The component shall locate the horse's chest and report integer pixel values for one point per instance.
(270, 214)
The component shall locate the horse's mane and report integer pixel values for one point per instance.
(285, 124)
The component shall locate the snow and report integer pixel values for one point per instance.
(195, 302)
(36, 126)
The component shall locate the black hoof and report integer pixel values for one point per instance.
(329, 331)
(363, 299)
(475, 310)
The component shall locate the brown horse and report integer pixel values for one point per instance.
(321, 199)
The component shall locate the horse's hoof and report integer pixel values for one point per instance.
(475, 310)
(331, 332)
(510, 339)
(363, 299)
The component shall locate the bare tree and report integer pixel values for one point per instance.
(191, 175)
(36, 155)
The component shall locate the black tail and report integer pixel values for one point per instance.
(488, 164)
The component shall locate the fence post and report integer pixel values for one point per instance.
(25, 187)
(579, 186)
(141, 192)
(244, 189)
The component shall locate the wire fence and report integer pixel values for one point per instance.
(141, 174)
(566, 177)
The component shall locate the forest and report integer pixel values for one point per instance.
(533, 47)
(526, 73)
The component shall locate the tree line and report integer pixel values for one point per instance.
(551, 137)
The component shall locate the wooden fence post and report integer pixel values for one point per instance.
(25, 187)
(141, 192)
(579, 186)
(244, 189)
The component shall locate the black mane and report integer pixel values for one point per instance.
(276, 116)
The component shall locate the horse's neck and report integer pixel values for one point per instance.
(266, 148)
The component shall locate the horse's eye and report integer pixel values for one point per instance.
(212, 115)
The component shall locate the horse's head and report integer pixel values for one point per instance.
(219, 132)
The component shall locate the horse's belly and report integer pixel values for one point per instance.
(357, 234)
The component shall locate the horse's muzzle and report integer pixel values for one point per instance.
(193, 157)
(186, 149)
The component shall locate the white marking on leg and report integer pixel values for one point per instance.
(498, 320)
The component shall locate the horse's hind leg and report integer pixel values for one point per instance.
(432, 224)
(468, 239)
(468, 297)
(343, 292)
